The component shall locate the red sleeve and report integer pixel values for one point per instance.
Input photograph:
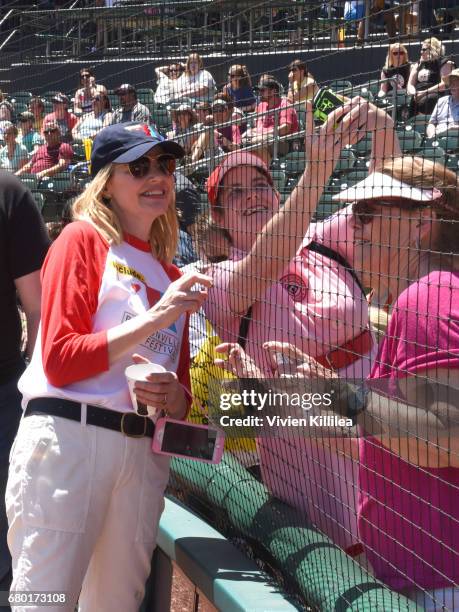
(288, 115)
(183, 369)
(65, 151)
(71, 278)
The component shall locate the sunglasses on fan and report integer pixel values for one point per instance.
(140, 168)
(366, 210)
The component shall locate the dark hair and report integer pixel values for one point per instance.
(86, 71)
(300, 65)
(38, 100)
(241, 72)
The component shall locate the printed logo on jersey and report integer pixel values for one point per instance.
(128, 271)
(295, 286)
(162, 342)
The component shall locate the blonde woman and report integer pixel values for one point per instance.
(427, 77)
(195, 83)
(397, 66)
(85, 490)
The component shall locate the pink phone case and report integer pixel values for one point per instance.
(159, 434)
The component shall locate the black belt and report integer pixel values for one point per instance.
(128, 423)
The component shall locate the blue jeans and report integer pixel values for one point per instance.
(10, 415)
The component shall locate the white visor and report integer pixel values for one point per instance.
(378, 185)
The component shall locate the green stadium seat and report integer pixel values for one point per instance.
(419, 123)
(410, 141)
(58, 183)
(346, 162)
(452, 163)
(146, 98)
(20, 95)
(114, 100)
(363, 147)
(434, 154)
(162, 119)
(30, 181)
(450, 142)
(295, 162)
(279, 179)
(20, 106)
(327, 206)
(351, 178)
(340, 84)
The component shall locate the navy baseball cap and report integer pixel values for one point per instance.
(125, 142)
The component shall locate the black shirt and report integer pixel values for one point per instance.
(429, 73)
(23, 245)
(402, 73)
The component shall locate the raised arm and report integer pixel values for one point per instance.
(282, 235)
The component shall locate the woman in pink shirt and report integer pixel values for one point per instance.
(406, 244)
(291, 290)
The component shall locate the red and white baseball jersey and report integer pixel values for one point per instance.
(90, 286)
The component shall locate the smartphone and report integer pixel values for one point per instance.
(325, 101)
(188, 440)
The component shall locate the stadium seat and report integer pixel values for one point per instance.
(279, 179)
(419, 123)
(295, 162)
(351, 178)
(450, 142)
(20, 106)
(346, 162)
(161, 118)
(434, 154)
(340, 84)
(30, 181)
(410, 141)
(452, 163)
(326, 207)
(363, 147)
(57, 184)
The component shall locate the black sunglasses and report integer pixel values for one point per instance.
(51, 131)
(141, 167)
(366, 210)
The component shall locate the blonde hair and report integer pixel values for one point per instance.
(437, 50)
(426, 174)
(92, 206)
(394, 47)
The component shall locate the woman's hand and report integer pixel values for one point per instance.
(343, 127)
(287, 359)
(179, 298)
(237, 361)
(162, 391)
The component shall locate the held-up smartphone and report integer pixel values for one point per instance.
(188, 440)
(325, 101)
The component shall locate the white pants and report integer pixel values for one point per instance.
(83, 506)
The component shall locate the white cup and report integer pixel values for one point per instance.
(139, 372)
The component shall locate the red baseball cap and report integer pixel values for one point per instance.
(233, 160)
